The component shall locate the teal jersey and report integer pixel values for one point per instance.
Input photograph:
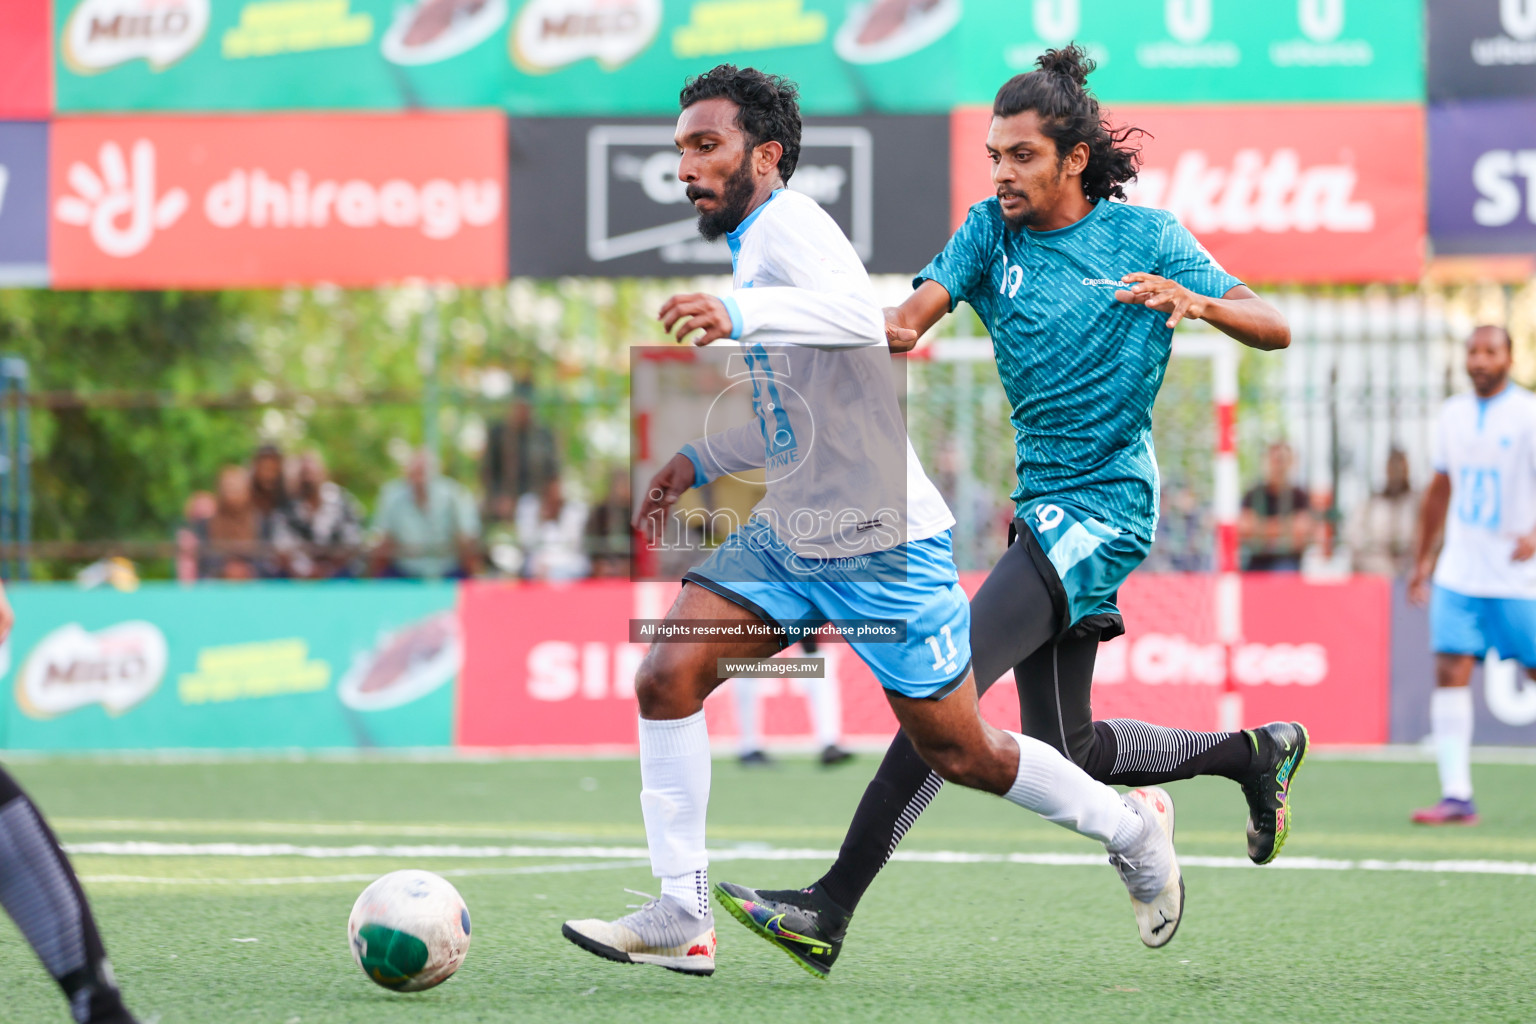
(1081, 369)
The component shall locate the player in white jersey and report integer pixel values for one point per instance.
(1483, 595)
(850, 530)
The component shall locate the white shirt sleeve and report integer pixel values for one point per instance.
(811, 289)
(732, 450)
(800, 316)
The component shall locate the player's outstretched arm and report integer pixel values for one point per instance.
(1239, 314)
(662, 493)
(1437, 500)
(915, 317)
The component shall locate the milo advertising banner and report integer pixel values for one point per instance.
(529, 56)
(610, 57)
(243, 666)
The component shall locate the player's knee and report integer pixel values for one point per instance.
(665, 686)
(655, 688)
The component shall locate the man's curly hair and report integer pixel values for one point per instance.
(1069, 114)
(767, 107)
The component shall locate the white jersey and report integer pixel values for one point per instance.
(842, 476)
(1488, 449)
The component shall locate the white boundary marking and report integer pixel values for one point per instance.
(535, 869)
(1392, 753)
(639, 857)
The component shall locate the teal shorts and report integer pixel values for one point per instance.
(1091, 558)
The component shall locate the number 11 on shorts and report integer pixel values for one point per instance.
(939, 657)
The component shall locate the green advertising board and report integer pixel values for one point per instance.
(231, 666)
(1207, 51)
(613, 57)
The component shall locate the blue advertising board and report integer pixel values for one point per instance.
(23, 203)
(1482, 176)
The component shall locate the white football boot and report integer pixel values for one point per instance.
(1150, 868)
(660, 932)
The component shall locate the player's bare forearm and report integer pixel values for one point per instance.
(1437, 501)
(662, 493)
(1244, 317)
(915, 317)
(1239, 314)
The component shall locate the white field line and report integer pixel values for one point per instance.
(534, 869)
(633, 853)
(1394, 753)
(323, 828)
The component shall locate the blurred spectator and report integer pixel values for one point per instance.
(269, 481)
(609, 533)
(1276, 524)
(1183, 533)
(1381, 530)
(322, 532)
(552, 530)
(520, 458)
(229, 538)
(427, 524)
(199, 508)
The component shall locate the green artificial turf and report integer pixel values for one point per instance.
(932, 941)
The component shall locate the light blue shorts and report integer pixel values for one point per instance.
(1460, 624)
(759, 572)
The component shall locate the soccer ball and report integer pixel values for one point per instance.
(409, 930)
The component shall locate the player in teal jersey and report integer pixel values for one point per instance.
(1081, 295)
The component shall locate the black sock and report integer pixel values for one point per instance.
(901, 788)
(39, 890)
(1148, 755)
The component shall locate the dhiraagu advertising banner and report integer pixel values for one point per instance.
(237, 666)
(611, 57)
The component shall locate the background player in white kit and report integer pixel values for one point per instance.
(1483, 596)
(847, 503)
(823, 702)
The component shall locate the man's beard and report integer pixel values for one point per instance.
(1032, 213)
(733, 206)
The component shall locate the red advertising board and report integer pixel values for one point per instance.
(551, 668)
(24, 79)
(250, 201)
(1331, 193)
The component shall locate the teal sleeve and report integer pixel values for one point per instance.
(963, 263)
(1183, 259)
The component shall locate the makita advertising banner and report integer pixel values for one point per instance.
(1482, 176)
(24, 89)
(1481, 48)
(601, 197)
(23, 203)
(553, 668)
(259, 201)
(1305, 194)
(246, 666)
(630, 57)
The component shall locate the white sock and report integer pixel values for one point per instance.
(1060, 791)
(748, 715)
(674, 798)
(826, 706)
(1450, 720)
